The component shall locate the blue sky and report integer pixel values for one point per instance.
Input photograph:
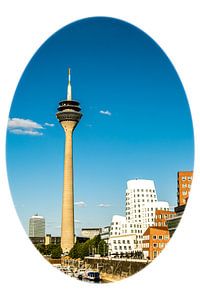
(136, 123)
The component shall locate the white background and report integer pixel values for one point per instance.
(25, 25)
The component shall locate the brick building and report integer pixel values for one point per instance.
(161, 216)
(154, 241)
(184, 182)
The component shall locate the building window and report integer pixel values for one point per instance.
(154, 254)
(123, 241)
(154, 237)
(160, 237)
(155, 245)
(166, 237)
(161, 245)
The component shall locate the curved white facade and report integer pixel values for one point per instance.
(140, 184)
(122, 238)
(141, 205)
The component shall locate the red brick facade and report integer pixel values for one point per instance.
(184, 182)
(154, 241)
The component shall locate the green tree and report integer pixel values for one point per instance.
(93, 246)
(103, 248)
(75, 251)
(49, 248)
(41, 248)
(56, 252)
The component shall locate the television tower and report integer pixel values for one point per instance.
(68, 115)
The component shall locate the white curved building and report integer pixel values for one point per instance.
(141, 204)
(126, 233)
(122, 238)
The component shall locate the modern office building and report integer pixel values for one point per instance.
(69, 116)
(173, 222)
(90, 232)
(36, 226)
(154, 241)
(184, 182)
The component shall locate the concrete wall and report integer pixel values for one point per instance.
(120, 268)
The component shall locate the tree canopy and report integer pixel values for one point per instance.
(90, 247)
(54, 250)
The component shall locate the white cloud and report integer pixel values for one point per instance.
(23, 123)
(24, 127)
(80, 204)
(25, 132)
(105, 112)
(103, 205)
(49, 124)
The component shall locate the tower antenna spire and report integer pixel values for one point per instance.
(69, 87)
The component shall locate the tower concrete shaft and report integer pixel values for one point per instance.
(68, 115)
(67, 227)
